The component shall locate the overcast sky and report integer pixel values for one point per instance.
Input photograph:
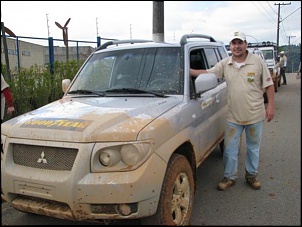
(127, 19)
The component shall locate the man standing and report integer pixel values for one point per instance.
(282, 63)
(247, 77)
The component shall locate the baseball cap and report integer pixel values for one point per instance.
(238, 35)
(282, 52)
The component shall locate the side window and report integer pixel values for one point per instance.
(196, 60)
(222, 53)
(211, 56)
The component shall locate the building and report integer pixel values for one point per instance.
(22, 54)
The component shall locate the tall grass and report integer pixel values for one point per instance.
(36, 87)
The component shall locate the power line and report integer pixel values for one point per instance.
(296, 39)
(284, 36)
(271, 8)
(291, 13)
(267, 12)
(263, 14)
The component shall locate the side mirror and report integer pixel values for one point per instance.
(65, 84)
(205, 82)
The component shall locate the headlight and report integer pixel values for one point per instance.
(121, 157)
(110, 157)
(130, 155)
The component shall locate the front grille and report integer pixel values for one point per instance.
(42, 157)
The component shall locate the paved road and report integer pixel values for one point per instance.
(278, 203)
(279, 200)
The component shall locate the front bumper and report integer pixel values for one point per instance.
(79, 194)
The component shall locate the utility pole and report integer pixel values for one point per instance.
(158, 21)
(97, 28)
(130, 32)
(278, 23)
(288, 56)
(47, 25)
(291, 36)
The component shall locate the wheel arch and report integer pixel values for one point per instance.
(186, 149)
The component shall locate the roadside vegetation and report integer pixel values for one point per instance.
(33, 87)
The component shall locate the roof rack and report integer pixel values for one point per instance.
(256, 45)
(117, 42)
(184, 38)
(263, 44)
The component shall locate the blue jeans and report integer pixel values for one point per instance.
(282, 72)
(233, 132)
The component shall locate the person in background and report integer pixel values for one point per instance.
(6, 96)
(247, 77)
(298, 76)
(282, 64)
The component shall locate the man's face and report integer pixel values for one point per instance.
(238, 47)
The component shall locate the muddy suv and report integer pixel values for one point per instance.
(126, 138)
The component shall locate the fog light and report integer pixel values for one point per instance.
(124, 209)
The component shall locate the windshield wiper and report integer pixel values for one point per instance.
(134, 91)
(81, 91)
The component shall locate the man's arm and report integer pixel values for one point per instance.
(8, 97)
(196, 72)
(9, 100)
(270, 91)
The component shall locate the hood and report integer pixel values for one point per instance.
(89, 119)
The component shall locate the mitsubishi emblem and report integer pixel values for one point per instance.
(42, 159)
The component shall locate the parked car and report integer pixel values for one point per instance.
(125, 140)
(257, 52)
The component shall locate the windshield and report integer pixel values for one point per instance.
(149, 69)
(268, 54)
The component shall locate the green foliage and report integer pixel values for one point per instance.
(35, 87)
(293, 54)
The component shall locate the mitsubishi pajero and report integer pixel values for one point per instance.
(125, 140)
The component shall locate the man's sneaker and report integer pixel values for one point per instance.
(253, 181)
(225, 184)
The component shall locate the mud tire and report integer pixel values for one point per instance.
(177, 195)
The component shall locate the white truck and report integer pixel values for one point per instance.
(125, 140)
(270, 53)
